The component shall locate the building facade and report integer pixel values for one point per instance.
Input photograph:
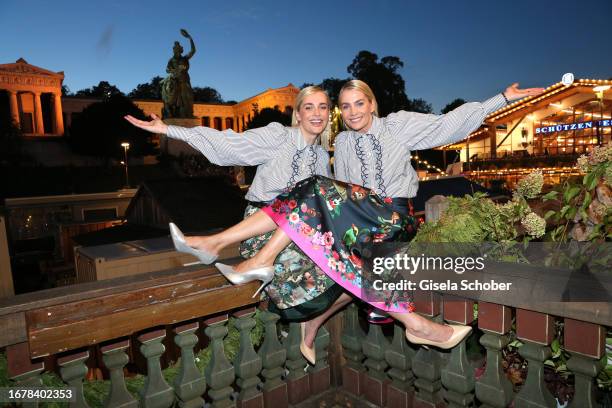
(31, 97)
(546, 132)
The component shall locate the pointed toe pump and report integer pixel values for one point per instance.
(459, 333)
(264, 274)
(180, 245)
(307, 352)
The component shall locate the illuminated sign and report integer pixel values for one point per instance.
(573, 126)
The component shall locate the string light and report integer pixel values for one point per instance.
(429, 166)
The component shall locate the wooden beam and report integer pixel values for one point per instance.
(81, 323)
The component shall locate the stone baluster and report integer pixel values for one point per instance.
(115, 358)
(587, 344)
(298, 381)
(273, 356)
(73, 371)
(376, 380)
(399, 356)
(22, 370)
(247, 364)
(156, 391)
(536, 330)
(352, 336)
(458, 375)
(320, 373)
(493, 389)
(427, 362)
(426, 368)
(219, 372)
(189, 384)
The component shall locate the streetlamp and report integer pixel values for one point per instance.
(126, 146)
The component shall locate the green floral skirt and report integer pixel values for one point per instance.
(299, 290)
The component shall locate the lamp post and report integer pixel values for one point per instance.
(126, 146)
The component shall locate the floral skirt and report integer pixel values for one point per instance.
(299, 290)
(330, 220)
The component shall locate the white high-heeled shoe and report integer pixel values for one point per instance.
(264, 274)
(460, 332)
(180, 245)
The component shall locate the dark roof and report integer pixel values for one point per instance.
(449, 186)
(195, 204)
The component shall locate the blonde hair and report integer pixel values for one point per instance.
(299, 100)
(362, 87)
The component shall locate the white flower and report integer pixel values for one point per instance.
(583, 163)
(531, 185)
(534, 225)
(294, 218)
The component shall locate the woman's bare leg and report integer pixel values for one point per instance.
(312, 326)
(422, 327)
(256, 224)
(267, 254)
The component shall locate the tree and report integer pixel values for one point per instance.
(419, 105)
(453, 105)
(333, 86)
(100, 129)
(382, 76)
(11, 140)
(148, 90)
(66, 90)
(102, 90)
(206, 95)
(266, 116)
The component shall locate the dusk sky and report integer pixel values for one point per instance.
(470, 49)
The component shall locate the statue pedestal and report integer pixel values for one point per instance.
(176, 147)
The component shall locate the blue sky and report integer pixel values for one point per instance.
(470, 49)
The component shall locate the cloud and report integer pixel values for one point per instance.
(104, 44)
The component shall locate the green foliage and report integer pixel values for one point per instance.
(586, 207)
(473, 219)
(11, 140)
(101, 128)
(102, 90)
(384, 79)
(267, 116)
(206, 95)
(453, 105)
(148, 90)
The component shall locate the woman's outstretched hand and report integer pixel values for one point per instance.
(513, 92)
(154, 126)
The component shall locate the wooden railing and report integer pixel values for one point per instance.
(108, 324)
(141, 317)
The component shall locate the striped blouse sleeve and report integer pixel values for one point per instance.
(419, 131)
(228, 148)
(323, 166)
(341, 171)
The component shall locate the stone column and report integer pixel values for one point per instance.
(40, 127)
(15, 108)
(59, 119)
